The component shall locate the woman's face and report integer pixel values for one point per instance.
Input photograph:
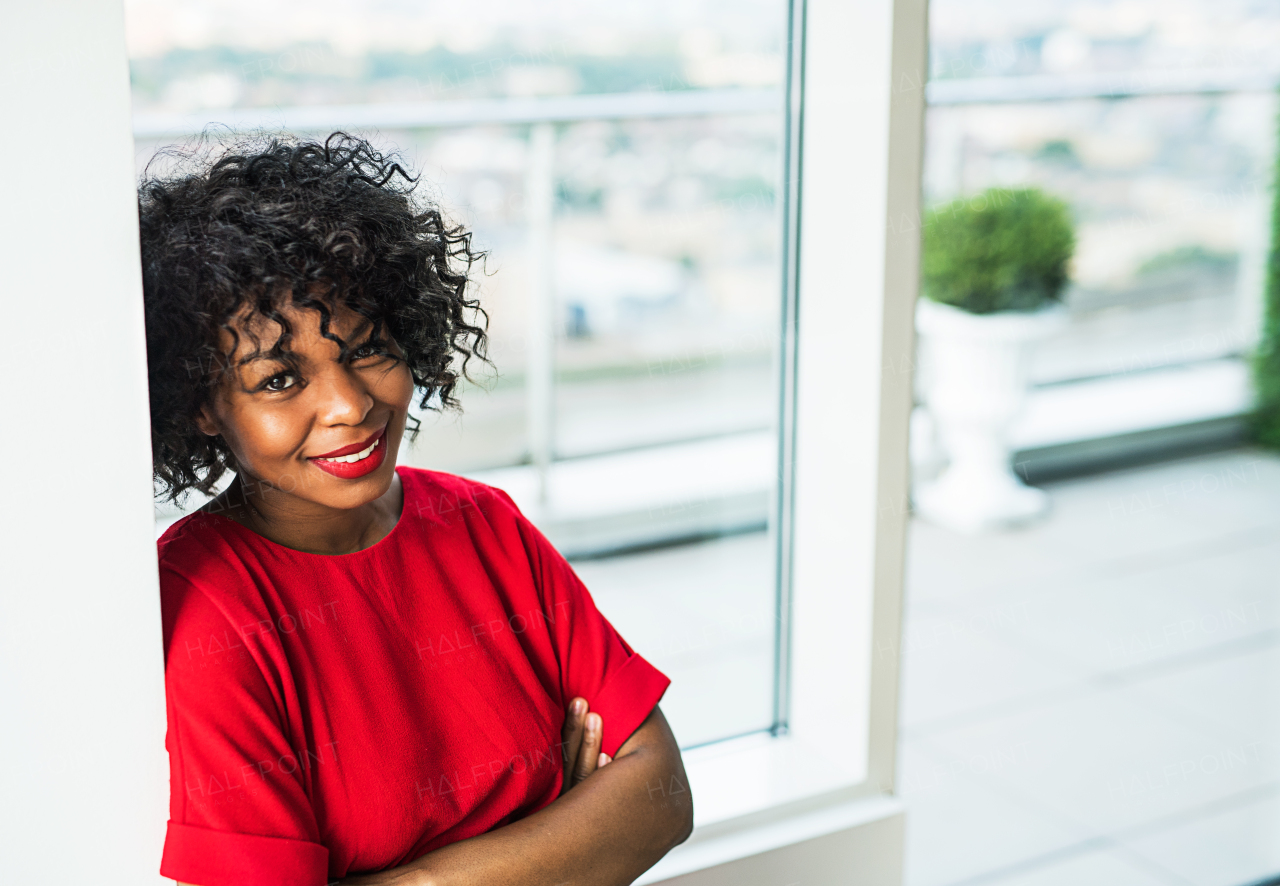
(322, 431)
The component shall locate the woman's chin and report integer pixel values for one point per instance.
(347, 493)
(310, 484)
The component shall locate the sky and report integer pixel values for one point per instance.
(156, 26)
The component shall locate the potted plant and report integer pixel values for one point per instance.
(993, 271)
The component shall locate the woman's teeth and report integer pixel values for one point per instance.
(355, 456)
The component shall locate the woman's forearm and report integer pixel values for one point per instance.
(606, 831)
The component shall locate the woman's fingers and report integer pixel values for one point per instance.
(589, 755)
(571, 734)
(583, 735)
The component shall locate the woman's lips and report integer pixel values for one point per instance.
(358, 459)
(354, 447)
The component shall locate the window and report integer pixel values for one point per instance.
(1039, 695)
(623, 173)
(1158, 129)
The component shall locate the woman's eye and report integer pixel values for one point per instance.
(365, 351)
(280, 382)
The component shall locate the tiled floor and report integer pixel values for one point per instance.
(1096, 699)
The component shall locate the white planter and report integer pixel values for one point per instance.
(974, 384)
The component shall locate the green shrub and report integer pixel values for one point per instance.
(1003, 250)
(1266, 359)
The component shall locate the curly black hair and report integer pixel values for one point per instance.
(254, 224)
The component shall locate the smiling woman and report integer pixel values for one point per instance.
(373, 674)
(238, 240)
(308, 430)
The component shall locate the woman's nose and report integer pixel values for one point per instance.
(344, 399)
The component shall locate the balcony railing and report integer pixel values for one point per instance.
(575, 524)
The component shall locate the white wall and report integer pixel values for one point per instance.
(83, 796)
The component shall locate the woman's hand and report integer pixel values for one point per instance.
(581, 737)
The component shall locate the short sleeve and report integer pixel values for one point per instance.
(239, 811)
(595, 662)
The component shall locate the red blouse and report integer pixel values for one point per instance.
(349, 713)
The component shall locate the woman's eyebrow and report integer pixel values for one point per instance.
(362, 332)
(260, 355)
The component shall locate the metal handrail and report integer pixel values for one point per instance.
(693, 102)
(1111, 84)
(468, 112)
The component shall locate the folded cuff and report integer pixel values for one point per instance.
(626, 699)
(222, 858)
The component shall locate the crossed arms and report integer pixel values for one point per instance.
(610, 823)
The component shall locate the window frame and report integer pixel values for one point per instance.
(855, 112)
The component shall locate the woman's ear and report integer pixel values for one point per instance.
(207, 422)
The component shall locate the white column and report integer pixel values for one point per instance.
(865, 68)
(541, 359)
(84, 790)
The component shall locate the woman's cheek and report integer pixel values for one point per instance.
(396, 387)
(269, 438)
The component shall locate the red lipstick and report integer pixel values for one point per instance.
(351, 470)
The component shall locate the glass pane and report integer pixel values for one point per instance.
(704, 613)
(667, 275)
(652, 461)
(1170, 197)
(1081, 693)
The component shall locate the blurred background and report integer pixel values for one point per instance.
(1089, 687)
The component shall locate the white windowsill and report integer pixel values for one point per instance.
(758, 793)
(744, 776)
(757, 839)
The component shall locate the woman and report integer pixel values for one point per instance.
(374, 674)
